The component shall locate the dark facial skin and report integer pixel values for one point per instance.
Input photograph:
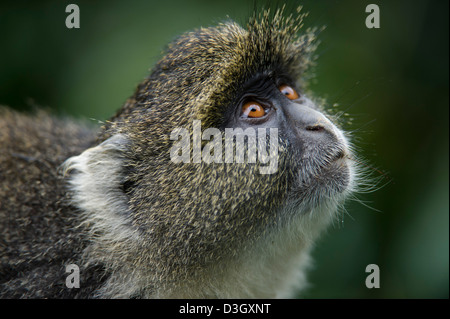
(318, 146)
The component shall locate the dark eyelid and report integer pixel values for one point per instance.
(293, 87)
(260, 89)
(267, 110)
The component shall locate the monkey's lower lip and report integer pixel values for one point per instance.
(340, 155)
(337, 161)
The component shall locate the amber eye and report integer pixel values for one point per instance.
(289, 92)
(253, 109)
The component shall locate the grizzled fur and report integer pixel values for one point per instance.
(38, 234)
(140, 225)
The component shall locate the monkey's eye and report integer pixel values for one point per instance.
(253, 109)
(289, 92)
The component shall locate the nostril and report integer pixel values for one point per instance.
(315, 128)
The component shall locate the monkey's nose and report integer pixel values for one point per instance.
(317, 123)
(315, 128)
(304, 117)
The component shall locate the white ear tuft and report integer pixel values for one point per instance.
(96, 177)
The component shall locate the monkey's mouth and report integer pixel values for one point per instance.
(336, 163)
(330, 178)
(340, 155)
(338, 160)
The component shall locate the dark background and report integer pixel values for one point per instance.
(391, 83)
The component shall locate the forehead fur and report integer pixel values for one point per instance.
(203, 70)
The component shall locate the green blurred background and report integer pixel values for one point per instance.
(392, 82)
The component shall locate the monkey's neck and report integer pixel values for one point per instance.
(272, 266)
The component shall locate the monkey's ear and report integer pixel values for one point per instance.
(96, 179)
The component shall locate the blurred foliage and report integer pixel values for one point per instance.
(391, 85)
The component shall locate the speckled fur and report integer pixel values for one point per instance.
(38, 234)
(162, 230)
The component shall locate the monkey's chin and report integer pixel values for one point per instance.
(334, 178)
(329, 183)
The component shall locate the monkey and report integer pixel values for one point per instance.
(141, 225)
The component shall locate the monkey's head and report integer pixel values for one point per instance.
(180, 217)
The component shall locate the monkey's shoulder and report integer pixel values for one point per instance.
(37, 233)
(33, 148)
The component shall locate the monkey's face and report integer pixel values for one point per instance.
(315, 151)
